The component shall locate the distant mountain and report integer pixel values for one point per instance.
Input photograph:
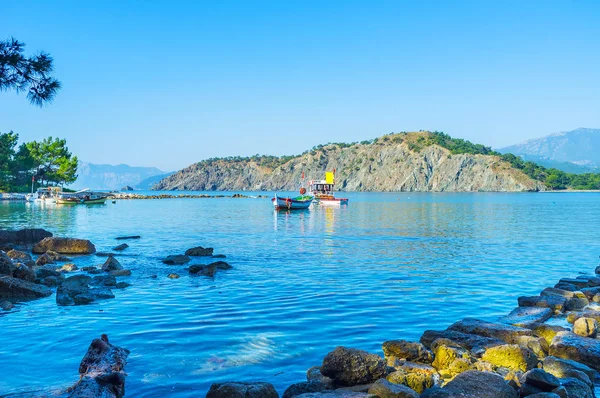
(148, 183)
(579, 147)
(106, 176)
(567, 167)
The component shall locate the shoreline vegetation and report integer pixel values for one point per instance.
(548, 346)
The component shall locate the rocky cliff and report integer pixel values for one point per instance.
(398, 162)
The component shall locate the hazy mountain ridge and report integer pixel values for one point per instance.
(398, 162)
(579, 147)
(112, 177)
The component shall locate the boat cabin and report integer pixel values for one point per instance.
(321, 188)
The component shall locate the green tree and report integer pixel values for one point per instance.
(8, 142)
(52, 161)
(31, 74)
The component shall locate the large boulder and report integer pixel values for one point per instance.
(416, 376)
(7, 266)
(384, 389)
(305, 387)
(394, 350)
(527, 316)
(64, 246)
(581, 349)
(199, 251)
(19, 289)
(242, 390)
(577, 388)
(511, 356)
(507, 333)
(472, 342)
(541, 379)
(349, 366)
(23, 236)
(473, 384)
(555, 302)
(586, 327)
(19, 256)
(24, 272)
(101, 371)
(563, 368)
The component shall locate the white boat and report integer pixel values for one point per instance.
(45, 195)
(323, 191)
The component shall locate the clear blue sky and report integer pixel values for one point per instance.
(169, 83)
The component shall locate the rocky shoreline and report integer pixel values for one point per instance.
(548, 346)
(183, 196)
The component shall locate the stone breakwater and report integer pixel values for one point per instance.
(184, 196)
(547, 347)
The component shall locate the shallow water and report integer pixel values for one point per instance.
(387, 266)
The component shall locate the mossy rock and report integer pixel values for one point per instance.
(511, 356)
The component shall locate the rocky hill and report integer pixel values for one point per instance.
(396, 162)
(580, 147)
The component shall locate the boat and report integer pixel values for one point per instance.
(323, 191)
(298, 203)
(84, 197)
(43, 195)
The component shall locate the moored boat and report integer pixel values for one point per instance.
(323, 191)
(85, 197)
(297, 203)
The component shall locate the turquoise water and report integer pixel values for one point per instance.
(387, 266)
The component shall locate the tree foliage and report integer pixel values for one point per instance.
(27, 74)
(49, 161)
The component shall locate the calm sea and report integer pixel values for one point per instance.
(387, 266)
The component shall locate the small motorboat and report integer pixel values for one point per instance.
(298, 203)
(323, 191)
(85, 197)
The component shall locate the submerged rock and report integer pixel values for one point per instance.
(44, 259)
(101, 371)
(23, 236)
(65, 246)
(19, 289)
(474, 383)
(68, 268)
(177, 259)
(209, 269)
(121, 272)
(350, 367)
(173, 276)
(199, 251)
(75, 290)
(111, 264)
(581, 349)
(121, 247)
(6, 305)
(128, 237)
(242, 390)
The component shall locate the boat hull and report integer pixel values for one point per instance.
(81, 201)
(332, 202)
(291, 204)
